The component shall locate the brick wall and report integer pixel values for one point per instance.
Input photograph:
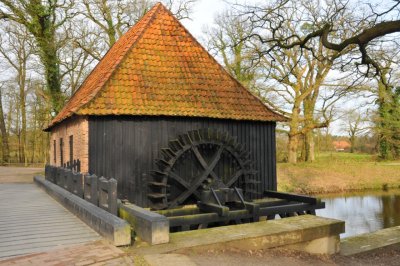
(78, 127)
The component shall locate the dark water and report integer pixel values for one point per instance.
(364, 212)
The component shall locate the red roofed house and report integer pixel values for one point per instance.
(341, 145)
(159, 114)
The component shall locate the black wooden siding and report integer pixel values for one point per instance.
(126, 147)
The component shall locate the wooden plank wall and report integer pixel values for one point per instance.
(126, 147)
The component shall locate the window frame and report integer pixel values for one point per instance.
(61, 152)
(55, 151)
(71, 149)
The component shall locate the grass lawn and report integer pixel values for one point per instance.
(338, 172)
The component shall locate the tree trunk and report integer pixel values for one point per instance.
(383, 112)
(51, 64)
(309, 125)
(22, 106)
(33, 130)
(352, 143)
(292, 150)
(4, 136)
(309, 146)
(294, 133)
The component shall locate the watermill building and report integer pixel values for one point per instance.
(160, 115)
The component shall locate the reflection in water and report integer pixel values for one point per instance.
(363, 213)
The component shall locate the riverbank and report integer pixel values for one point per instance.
(338, 172)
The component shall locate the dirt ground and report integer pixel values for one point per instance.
(18, 174)
(276, 257)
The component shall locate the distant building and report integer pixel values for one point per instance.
(341, 145)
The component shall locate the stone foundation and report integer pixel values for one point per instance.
(149, 226)
(307, 232)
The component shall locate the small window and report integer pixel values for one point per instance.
(61, 152)
(71, 149)
(54, 151)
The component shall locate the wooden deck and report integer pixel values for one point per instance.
(31, 221)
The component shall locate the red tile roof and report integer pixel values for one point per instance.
(158, 68)
(341, 144)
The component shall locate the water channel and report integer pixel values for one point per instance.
(363, 212)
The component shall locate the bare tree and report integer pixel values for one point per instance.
(111, 19)
(224, 40)
(75, 62)
(114, 17)
(355, 124)
(292, 81)
(296, 77)
(42, 19)
(4, 134)
(15, 48)
(373, 22)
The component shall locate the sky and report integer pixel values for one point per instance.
(203, 15)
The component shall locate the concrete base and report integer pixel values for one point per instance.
(370, 241)
(114, 229)
(149, 226)
(326, 245)
(168, 260)
(311, 233)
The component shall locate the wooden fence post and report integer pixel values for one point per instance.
(90, 189)
(108, 195)
(59, 176)
(70, 180)
(77, 185)
(66, 179)
(103, 193)
(112, 196)
(98, 191)
(53, 174)
(47, 171)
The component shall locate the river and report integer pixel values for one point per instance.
(363, 212)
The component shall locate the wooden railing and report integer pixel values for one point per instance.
(101, 192)
(74, 165)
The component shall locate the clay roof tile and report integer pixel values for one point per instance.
(154, 67)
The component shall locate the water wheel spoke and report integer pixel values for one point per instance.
(199, 181)
(235, 177)
(203, 162)
(181, 181)
(199, 157)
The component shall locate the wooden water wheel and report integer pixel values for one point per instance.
(196, 161)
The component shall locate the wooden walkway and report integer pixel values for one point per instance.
(31, 222)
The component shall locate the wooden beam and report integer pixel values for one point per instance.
(291, 197)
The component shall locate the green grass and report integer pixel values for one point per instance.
(345, 157)
(338, 172)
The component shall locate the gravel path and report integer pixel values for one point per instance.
(18, 174)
